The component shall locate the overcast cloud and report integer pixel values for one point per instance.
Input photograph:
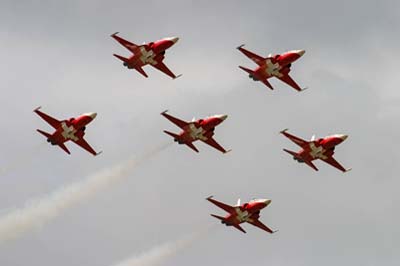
(58, 55)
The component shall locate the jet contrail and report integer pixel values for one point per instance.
(159, 254)
(37, 212)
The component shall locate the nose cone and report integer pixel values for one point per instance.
(222, 117)
(300, 52)
(266, 201)
(343, 137)
(92, 115)
(173, 39)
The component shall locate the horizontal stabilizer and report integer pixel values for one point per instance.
(126, 60)
(62, 146)
(47, 135)
(191, 145)
(291, 152)
(218, 217)
(238, 227)
(266, 83)
(251, 72)
(175, 136)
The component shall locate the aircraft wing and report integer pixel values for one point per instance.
(297, 140)
(288, 80)
(213, 143)
(175, 120)
(259, 60)
(260, 225)
(83, 144)
(223, 206)
(163, 68)
(330, 160)
(127, 44)
(52, 121)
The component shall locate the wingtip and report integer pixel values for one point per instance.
(227, 151)
(37, 108)
(240, 46)
(100, 152)
(114, 34)
(209, 197)
(164, 112)
(348, 170)
(180, 75)
(303, 89)
(283, 131)
(273, 232)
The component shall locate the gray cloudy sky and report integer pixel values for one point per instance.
(58, 54)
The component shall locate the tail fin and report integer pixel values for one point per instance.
(238, 202)
(124, 59)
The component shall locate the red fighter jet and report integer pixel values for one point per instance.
(201, 129)
(322, 148)
(71, 129)
(248, 212)
(273, 66)
(147, 54)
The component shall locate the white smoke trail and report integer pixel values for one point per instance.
(38, 212)
(159, 254)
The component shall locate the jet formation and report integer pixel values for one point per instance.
(153, 54)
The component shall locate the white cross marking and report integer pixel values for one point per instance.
(273, 69)
(147, 56)
(68, 132)
(242, 216)
(197, 133)
(317, 152)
